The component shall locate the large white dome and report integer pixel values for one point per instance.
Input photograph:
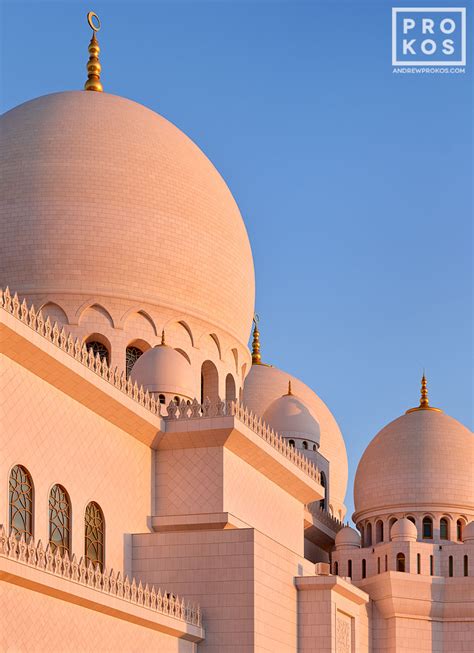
(423, 460)
(103, 197)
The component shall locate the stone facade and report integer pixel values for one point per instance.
(172, 516)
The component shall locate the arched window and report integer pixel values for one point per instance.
(305, 444)
(349, 568)
(94, 534)
(98, 348)
(132, 354)
(427, 528)
(59, 519)
(378, 565)
(386, 563)
(176, 400)
(21, 502)
(444, 529)
(314, 447)
(368, 535)
(459, 527)
(209, 381)
(323, 502)
(451, 566)
(291, 443)
(162, 399)
(431, 566)
(466, 566)
(390, 524)
(418, 563)
(412, 519)
(400, 562)
(364, 568)
(230, 393)
(379, 531)
(362, 534)
(336, 568)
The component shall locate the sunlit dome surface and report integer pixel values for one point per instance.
(102, 196)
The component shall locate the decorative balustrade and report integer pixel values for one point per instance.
(184, 410)
(75, 348)
(324, 516)
(194, 410)
(108, 582)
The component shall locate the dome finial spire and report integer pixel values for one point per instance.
(424, 401)
(93, 65)
(289, 388)
(163, 342)
(256, 356)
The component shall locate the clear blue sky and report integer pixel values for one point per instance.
(354, 183)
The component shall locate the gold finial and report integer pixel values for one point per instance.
(93, 65)
(256, 357)
(163, 337)
(289, 388)
(424, 401)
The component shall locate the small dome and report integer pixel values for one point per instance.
(265, 384)
(290, 416)
(411, 462)
(468, 532)
(347, 537)
(163, 369)
(404, 530)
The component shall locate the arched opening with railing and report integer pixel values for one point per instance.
(230, 393)
(209, 381)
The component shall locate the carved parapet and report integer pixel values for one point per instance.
(219, 408)
(325, 517)
(74, 348)
(90, 575)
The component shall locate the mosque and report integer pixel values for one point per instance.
(168, 489)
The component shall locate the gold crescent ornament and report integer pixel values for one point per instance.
(90, 19)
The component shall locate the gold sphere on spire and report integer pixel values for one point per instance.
(93, 65)
(424, 401)
(256, 356)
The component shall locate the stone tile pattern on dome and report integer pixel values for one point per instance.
(149, 180)
(420, 463)
(34, 554)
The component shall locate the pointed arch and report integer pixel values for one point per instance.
(218, 344)
(94, 534)
(54, 312)
(99, 310)
(235, 353)
(21, 502)
(136, 310)
(230, 392)
(209, 381)
(187, 328)
(99, 345)
(59, 519)
(183, 353)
